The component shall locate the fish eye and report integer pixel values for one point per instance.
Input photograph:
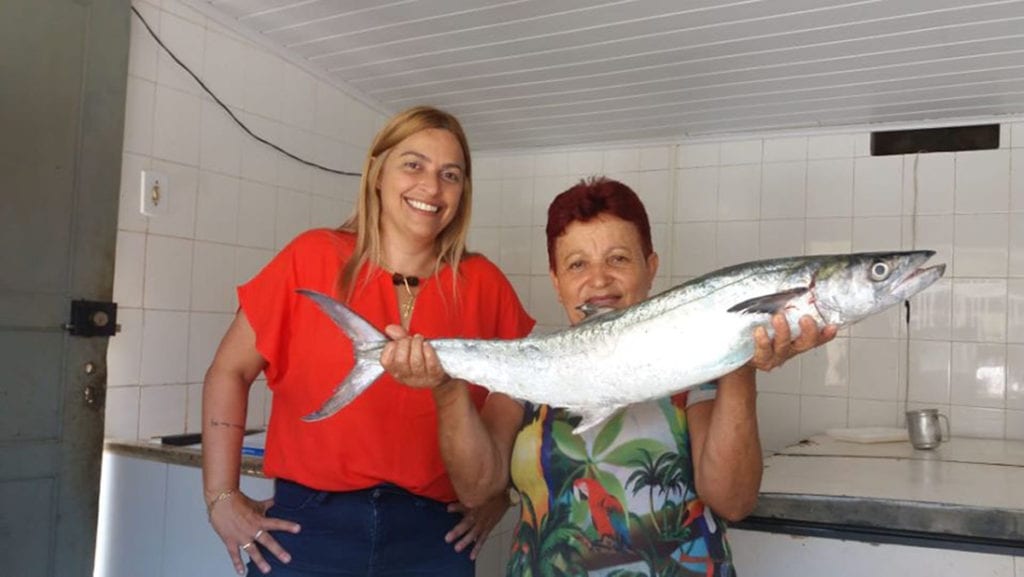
(880, 271)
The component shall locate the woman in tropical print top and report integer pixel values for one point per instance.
(647, 492)
(620, 499)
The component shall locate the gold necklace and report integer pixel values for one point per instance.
(405, 308)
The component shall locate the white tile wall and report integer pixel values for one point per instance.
(982, 182)
(743, 152)
(176, 126)
(831, 146)
(217, 207)
(717, 203)
(779, 149)
(697, 197)
(124, 354)
(1017, 171)
(781, 238)
(825, 371)
(778, 416)
(1015, 377)
(874, 369)
(784, 190)
(1015, 428)
(164, 347)
(829, 188)
(981, 245)
(691, 155)
(232, 201)
(162, 410)
(935, 181)
(821, 413)
(739, 192)
(873, 413)
(930, 371)
(168, 273)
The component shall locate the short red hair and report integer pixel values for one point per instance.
(591, 198)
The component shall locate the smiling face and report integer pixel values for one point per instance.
(601, 262)
(420, 185)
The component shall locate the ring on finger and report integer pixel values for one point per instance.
(256, 537)
(247, 545)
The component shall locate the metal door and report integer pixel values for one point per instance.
(63, 67)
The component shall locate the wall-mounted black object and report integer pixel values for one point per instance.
(92, 319)
(951, 139)
(180, 440)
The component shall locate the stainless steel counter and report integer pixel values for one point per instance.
(968, 494)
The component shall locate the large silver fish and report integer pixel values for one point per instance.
(688, 335)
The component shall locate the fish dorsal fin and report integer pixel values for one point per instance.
(770, 304)
(593, 312)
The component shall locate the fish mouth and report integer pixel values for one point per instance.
(918, 279)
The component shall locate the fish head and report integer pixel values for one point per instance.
(848, 288)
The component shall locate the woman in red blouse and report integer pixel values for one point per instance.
(367, 490)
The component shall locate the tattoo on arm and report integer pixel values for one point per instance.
(216, 423)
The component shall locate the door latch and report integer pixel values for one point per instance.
(95, 396)
(93, 319)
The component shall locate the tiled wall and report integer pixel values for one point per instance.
(713, 203)
(716, 203)
(233, 202)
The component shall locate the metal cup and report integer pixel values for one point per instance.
(924, 429)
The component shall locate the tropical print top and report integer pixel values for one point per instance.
(618, 501)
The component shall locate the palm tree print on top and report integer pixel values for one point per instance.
(618, 501)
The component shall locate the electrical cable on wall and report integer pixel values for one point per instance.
(228, 110)
(906, 303)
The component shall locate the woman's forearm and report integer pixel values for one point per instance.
(225, 400)
(475, 445)
(730, 468)
(225, 404)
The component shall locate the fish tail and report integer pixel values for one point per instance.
(364, 374)
(367, 341)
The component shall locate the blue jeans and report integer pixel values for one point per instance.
(384, 531)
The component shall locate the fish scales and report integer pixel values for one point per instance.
(683, 337)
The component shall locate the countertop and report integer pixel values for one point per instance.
(189, 455)
(967, 491)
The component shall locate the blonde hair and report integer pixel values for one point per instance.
(450, 245)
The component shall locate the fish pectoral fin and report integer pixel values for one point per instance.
(770, 304)
(593, 416)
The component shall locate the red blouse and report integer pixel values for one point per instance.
(389, 433)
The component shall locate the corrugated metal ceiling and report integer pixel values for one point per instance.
(526, 73)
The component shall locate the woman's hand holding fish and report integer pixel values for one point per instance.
(771, 353)
(242, 525)
(411, 360)
(476, 523)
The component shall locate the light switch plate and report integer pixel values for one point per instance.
(154, 199)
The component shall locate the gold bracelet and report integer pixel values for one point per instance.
(220, 497)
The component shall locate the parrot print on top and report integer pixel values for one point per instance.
(617, 501)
